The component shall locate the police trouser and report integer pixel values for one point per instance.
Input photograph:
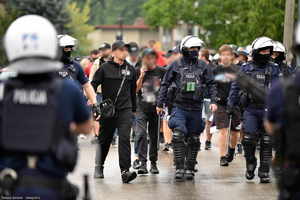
(122, 122)
(254, 132)
(187, 127)
(146, 122)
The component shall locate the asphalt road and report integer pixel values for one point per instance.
(212, 182)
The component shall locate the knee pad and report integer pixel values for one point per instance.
(194, 141)
(178, 137)
(249, 139)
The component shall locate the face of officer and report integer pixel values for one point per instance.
(121, 53)
(66, 54)
(149, 61)
(226, 58)
(191, 53)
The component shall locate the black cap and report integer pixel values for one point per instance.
(172, 51)
(149, 51)
(119, 44)
(134, 48)
(104, 46)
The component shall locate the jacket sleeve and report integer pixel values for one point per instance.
(98, 78)
(234, 94)
(211, 84)
(168, 78)
(133, 91)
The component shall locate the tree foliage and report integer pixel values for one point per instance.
(7, 15)
(109, 11)
(234, 21)
(78, 26)
(54, 10)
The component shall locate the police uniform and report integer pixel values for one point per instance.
(253, 117)
(283, 110)
(37, 149)
(190, 79)
(72, 70)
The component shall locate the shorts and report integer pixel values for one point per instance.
(206, 112)
(222, 118)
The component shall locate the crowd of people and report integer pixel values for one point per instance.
(148, 96)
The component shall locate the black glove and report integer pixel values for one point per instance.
(230, 110)
(96, 111)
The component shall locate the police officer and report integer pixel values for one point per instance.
(282, 121)
(279, 57)
(72, 69)
(38, 152)
(264, 72)
(190, 76)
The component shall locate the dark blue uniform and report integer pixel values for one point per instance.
(187, 113)
(70, 107)
(190, 78)
(72, 70)
(283, 111)
(253, 116)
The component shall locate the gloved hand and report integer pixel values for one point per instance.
(230, 110)
(96, 111)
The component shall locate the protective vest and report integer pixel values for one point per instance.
(29, 122)
(68, 72)
(291, 125)
(263, 78)
(191, 87)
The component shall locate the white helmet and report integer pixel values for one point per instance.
(279, 47)
(261, 43)
(31, 45)
(191, 41)
(30, 36)
(66, 40)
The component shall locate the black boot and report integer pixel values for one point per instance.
(98, 172)
(154, 169)
(230, 155)
(143, 169)
(193, 146)
(179, 149)
(251, 166)
(208, 145)
(223, 161)
(179, 175)
(264, 177)
(128, 176)
(239, 148)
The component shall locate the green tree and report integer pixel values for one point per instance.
(54, 10)
(108, 12)
(234, 21)
(79, 27)
(7, 15)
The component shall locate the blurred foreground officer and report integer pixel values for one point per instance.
(264, 72)
(118, 82)
(283, 122)
(190, 76)
(39, 114)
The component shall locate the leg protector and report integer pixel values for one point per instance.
(179, 149)
(265, 153)
(249, 143)
(193, 146)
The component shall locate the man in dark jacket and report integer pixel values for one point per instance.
(110, 76)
